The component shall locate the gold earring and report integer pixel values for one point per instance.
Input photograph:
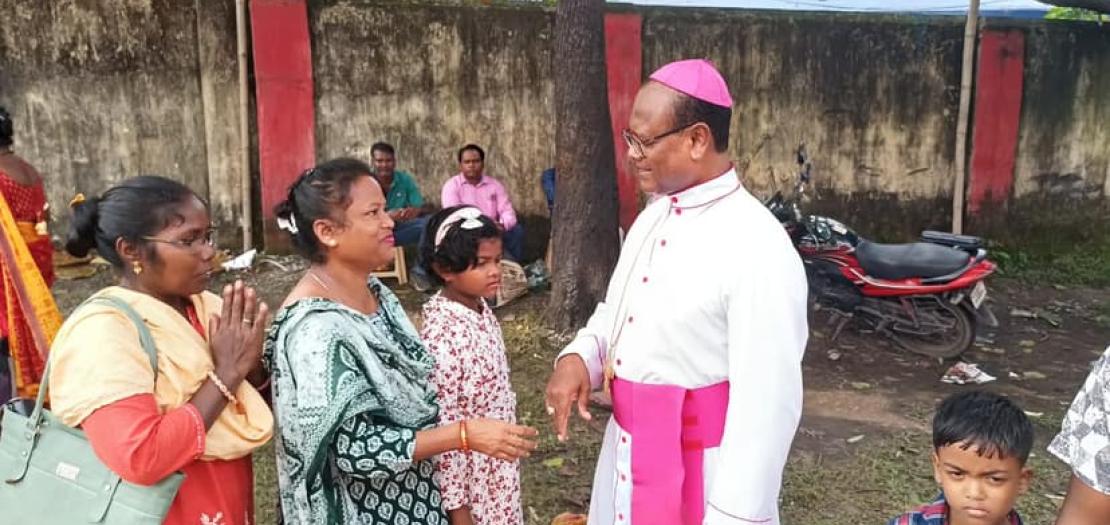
(137, 267)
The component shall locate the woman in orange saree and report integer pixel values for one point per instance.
(28, 316)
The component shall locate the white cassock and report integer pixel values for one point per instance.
(708, 290)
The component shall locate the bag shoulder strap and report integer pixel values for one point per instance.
(145, 339)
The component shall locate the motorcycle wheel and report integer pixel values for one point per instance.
(948, 330)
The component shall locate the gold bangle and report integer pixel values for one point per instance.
(222, 388)
(462, 436)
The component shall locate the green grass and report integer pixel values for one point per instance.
(1082, 264)
(1102, 314)
(557, 478)
(265, 486)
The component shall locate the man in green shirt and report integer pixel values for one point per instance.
(404, 204)
(402, 196)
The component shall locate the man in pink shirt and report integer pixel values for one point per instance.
(473, 187)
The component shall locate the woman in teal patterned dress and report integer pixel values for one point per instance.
(355, 412)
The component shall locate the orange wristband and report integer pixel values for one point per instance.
(462, 436)
(222, 388)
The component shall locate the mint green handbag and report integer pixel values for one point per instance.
(50, 475)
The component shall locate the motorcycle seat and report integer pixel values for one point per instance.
(903, 261)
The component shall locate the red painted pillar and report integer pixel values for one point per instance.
(999, 86)
(624, 64)
(284, 93)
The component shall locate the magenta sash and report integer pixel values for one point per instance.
(670, 427)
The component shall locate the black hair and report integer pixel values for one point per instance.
(323, 192)
(688, 110)
(459, 249)
(131, 210)
(472, 147)
(993, 424)
(7, 129)
(383, 147)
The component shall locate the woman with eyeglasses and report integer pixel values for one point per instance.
(201, 413)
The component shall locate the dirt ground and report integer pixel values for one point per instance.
(861, 454)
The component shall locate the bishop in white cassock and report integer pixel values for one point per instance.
(701, 334)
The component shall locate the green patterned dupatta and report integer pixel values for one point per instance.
(330, 364)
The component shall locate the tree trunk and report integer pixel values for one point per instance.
(1098, 6)
(585, 244)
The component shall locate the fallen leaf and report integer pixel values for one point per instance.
(1035, 375)
(1025, 314)
(859, 385)
(567, 518)
(1026, 343)
(1049, 318)
(556, 462)
(855, 439)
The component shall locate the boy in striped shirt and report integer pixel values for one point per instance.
(981, 442)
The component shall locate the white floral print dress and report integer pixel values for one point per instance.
(471, 376)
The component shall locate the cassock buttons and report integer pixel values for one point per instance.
(674, 200)
(618, 362)
(678, 211)
(645, 279)
(630, 319)
(663, 242)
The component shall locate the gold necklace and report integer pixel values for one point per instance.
(312, 274)
(336, 297)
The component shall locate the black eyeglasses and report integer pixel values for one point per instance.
(638, 145)
(208, 238)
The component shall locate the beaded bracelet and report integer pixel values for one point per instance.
(462, 436)
(222, 388)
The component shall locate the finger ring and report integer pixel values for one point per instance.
(247, 322)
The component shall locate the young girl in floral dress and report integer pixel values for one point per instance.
(462, 251)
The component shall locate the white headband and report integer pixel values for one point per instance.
(467, 218)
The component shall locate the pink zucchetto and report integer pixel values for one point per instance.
(696, 78)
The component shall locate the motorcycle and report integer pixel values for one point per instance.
(928, 297)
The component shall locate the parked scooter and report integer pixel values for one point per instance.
(927, 297)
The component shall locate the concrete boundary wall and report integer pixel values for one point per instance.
(101, 91)
(114, 88)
